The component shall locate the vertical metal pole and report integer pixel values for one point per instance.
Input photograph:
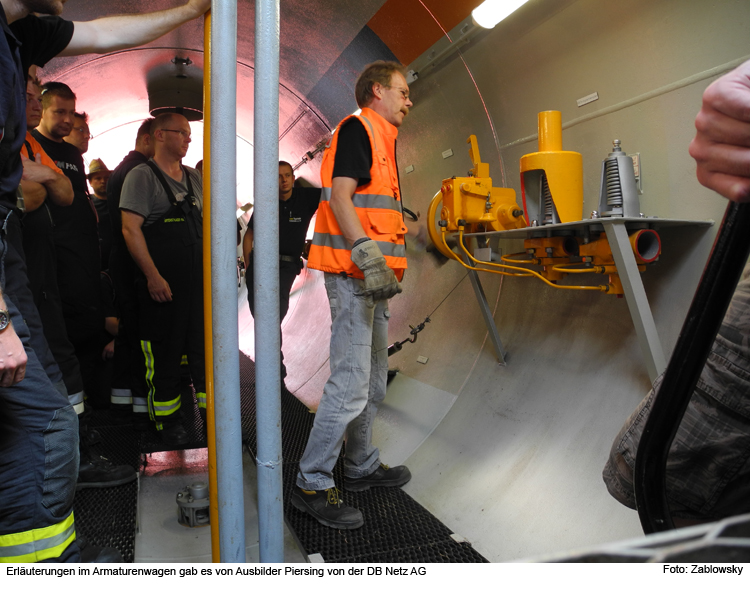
(266, 281)
(224, 279)
(208, 322)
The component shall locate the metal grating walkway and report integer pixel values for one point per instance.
(107, 516)
(397, 529)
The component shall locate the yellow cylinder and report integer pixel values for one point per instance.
(550, 131)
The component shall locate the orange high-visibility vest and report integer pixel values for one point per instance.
(378, 205)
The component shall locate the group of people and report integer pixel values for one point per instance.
(143, 224)
(52, 322)
(53, 326)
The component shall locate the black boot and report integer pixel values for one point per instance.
(327, 507)
(96, 471)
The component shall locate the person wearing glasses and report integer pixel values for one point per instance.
(161, 205)
(359, 244)
(80, 135)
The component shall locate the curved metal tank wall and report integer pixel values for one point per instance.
(514, 466)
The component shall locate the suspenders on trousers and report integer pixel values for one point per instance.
(169, 329)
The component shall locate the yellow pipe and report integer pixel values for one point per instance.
(550, 131)
(213, 487)
(566, 268)
(453, 255)
(506, 258)
(527, 272)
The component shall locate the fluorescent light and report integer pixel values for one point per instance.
(491, 12)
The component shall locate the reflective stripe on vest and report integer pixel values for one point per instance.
(366, 200)
(389, 249)
(38, 544)
(377, 205)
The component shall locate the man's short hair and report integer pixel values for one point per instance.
(57, 89)
(144, 129)
(285, 163)
(160, 121)
(380, 72)
(84, 116)
(34, 80)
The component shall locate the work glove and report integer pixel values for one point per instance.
(380, 280)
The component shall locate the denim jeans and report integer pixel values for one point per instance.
(359, 374)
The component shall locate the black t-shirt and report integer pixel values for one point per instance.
(31, 40)
(43, 38)
(353, 152)
(294, 218)
(68, 159)
(75, 224)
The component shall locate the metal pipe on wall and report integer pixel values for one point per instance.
(223, 119)
(266, 281)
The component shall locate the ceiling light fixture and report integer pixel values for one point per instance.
(491, 12)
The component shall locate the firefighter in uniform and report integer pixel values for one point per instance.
(162, 226)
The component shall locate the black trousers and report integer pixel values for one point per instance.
(288, 272)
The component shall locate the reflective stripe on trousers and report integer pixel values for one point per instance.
(38, 544)
(157, 409)
(76, 401)
(121, 396)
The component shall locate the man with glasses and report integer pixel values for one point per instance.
(80, 135)
(359, 244)
(161, 205)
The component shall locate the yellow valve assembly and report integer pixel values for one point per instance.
(560, 255)
(552, 179)
(473, 199)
